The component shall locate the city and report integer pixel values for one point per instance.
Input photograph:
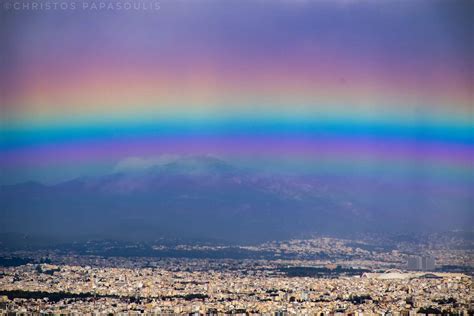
(348, 281)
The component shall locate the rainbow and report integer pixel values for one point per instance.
(309, 87)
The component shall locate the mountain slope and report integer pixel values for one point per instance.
(203, 197)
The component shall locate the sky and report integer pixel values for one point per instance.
(339, 88)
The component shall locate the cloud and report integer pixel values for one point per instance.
(139, 163)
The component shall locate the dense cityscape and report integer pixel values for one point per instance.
(345, 280)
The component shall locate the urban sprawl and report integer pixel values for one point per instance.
(347, 280)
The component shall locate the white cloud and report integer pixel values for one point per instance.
(139, 163)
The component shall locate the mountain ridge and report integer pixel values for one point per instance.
(206, 197)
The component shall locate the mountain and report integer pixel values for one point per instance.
(207, 198)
